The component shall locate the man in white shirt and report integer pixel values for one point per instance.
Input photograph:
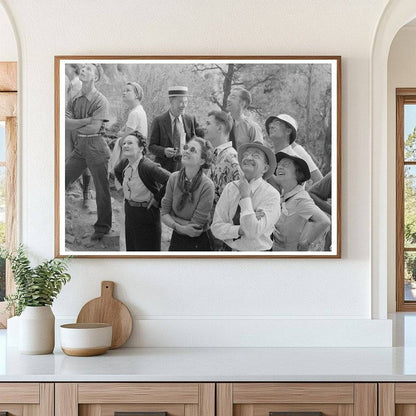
(171, 130)
(249, 208)
(282, 130)
(244, 129)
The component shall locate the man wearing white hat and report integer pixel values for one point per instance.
(171, 130)
(282, 130)
(249, 208)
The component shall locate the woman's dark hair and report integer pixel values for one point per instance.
(207, 151)
(300, 176)
(141, 140)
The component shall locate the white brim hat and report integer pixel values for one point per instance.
(288, 120)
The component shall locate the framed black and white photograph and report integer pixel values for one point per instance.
(196, 156)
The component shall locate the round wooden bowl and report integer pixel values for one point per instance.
(84, 340)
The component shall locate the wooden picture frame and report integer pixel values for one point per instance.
(307, 88)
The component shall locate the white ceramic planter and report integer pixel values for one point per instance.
(37, 330)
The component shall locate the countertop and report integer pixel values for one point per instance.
(222, 364)
(212, 365)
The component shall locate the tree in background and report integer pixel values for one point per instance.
(301, 90)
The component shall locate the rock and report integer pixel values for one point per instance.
(70, 239)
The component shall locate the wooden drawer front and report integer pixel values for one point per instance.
(293, 393)
(405, 393)
(19, 393)
(104, 399)
(138, 393)
(110, 409)
(12, 409)
(332, 399)
(27, 399)
(397, 399)
(264, 409)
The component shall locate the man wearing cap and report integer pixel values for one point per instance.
(249, 208)
(171, 130)
(282, 130)
(224, 167)
(244, 130)
(85, 116)
(301, 221)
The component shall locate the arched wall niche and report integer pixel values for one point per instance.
(396, 14)
(9, 50)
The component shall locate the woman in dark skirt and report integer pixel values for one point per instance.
(144, 184)
(188, 200)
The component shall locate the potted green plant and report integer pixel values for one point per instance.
(36, 289)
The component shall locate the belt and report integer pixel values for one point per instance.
(137, 204)
(89, 135)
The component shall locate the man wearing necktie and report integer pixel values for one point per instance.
(249, 208)
(171, 130)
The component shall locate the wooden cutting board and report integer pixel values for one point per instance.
(107, 309)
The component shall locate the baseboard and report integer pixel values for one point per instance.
(258, 332)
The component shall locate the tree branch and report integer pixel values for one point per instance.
(215, 101)
(262, 81)
(222, 71)
(202, 69)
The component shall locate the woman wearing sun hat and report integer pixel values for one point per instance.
(301, 222)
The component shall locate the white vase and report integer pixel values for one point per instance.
(37, 330)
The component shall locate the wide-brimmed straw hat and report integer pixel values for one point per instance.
(271, 159)
(288, 120)
(303, 166)
(178, 91)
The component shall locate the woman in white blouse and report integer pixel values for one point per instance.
(136, 120)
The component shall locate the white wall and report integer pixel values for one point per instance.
(179, 302)
(8, 47)
(401, 74)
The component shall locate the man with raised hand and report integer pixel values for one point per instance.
(249, 208)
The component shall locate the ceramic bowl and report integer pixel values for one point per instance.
(83, 340)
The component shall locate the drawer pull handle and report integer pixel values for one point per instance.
(296, 414)
(139, 414)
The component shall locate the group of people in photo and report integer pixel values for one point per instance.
(218, 187)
